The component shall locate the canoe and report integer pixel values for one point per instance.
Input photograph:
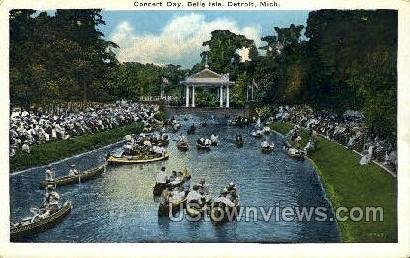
(134, 160)
(203, 147)
(158, 188)
(163, 209)
(25, 229)
(239, 144)
(67, 180)
(183, 146)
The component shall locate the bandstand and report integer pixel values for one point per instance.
(207, 79)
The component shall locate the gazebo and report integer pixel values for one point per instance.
(207, 79)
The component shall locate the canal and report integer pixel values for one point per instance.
(119, 207)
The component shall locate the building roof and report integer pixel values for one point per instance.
(207, 77)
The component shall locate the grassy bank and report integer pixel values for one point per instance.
(53, 151)
(349, 184)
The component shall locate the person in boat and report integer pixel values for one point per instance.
(165, 195)
(231, 188)
(207, 142)
(49, 174)
(73, 171)
(201, 141)
(162, 178)
(174, 176)
(51, 200)
(265, 144)
(223, 199)
(194, 196)
(203, 187)
(193, 128)
(177, 195)
(214, 138)
(182, 138)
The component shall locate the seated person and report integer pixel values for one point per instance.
(73, 171)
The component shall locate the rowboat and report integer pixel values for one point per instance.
(239, 143)
(296, 154)
(164, 209)
(267, 149)
(183, 146)
(257, 134)
(26, 227)
(73, 179)
(158, 188)
(134, 159)
(203, 147)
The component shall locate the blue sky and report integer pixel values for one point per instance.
(164, 37)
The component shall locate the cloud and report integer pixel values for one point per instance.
(180, 41)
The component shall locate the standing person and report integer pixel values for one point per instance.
(49, 173)
(73, 171)
(162, 178)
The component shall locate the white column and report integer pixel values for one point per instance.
(186, 96)
(227, 95)
(221, 96)
(193, 96)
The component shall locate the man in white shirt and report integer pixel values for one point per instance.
(162, 177)
(194, 196)
(49, 174)
(73, 171)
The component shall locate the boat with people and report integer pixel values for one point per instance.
(48, 215)
(176, 180)
(198, 200)
(73, 178)
(267, 147)
(226, 207)
(183, 145)
(139, 159)
(32, 225)
(202, 146)
(296, 153)
(257, 134)
(239, 141)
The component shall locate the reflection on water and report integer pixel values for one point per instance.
(119, 206)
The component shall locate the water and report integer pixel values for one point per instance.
(119, 207)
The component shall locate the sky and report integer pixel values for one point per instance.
(175, 37)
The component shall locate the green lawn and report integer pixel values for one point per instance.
(53, 151)
(349, 184)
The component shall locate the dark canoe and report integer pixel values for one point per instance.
(191, 130)
(164, 209)
(158, 188)
(183, 146)
(221, 215)
(84, 176)
(41, 224)
(134, 159)
(267, 150)
(203, 147)
(239, 144)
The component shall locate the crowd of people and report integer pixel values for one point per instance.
(28, 128)
(348, 130)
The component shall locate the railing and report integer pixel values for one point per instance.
(156, 98)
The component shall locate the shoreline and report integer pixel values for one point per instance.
(353, 185)
(57, 151)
